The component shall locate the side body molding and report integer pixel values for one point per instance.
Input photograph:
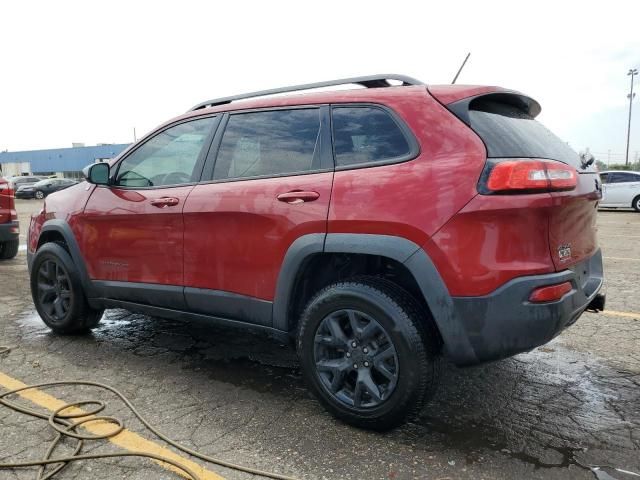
(416, 260)
(298, 253)
(433, 288)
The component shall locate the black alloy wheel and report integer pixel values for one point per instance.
(355, 359)
(54, 291)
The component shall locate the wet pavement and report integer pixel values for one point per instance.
(544, 414)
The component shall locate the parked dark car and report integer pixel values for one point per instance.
(44, 187)
(379, 229)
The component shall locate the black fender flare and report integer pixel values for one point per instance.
(404, 251)
(63, 228)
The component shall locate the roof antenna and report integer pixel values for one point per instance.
(461, 67)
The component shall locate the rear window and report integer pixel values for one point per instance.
(269, 143)
(508, 132)
(366, 134)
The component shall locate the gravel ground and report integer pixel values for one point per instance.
(237, 396)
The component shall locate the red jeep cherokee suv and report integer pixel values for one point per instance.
(378, 227)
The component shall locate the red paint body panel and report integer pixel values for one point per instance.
(123, 237)
(494, 239)
(237, 233)
(412, 199)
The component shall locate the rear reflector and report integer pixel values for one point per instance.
(550, 293)
(531, 176)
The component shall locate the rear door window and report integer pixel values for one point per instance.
(510, 132)
(366, 135)
(269, 143)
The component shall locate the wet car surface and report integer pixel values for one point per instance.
(543, 414)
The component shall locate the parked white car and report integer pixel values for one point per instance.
(620, 189)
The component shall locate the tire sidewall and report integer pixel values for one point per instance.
(52, 251)
(9, 249)
(385, 312)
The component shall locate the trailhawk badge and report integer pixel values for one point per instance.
(564, 252)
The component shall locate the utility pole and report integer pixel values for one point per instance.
(632, 72)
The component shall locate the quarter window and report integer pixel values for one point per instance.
(169, 158)
(366, 134)
(269, 143)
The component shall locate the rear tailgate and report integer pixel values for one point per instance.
(6, 201)
(572, 222)
(506, 123)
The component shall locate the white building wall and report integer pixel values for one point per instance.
(15, 168)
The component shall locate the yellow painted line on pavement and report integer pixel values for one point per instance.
(126, 439)
(623, 258)
(614, 313)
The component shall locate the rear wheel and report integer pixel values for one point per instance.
(8, 249)
(366, 353)
(636, 203)
(58, 294)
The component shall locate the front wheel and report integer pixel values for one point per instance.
(57, 292)
(369, 352)
(39, 194)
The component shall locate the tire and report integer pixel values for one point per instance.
(636, 203)
(39, 195)
(9, 249)
(57, 292)
(396, 346)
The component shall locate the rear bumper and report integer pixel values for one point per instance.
(505, 323)
(9, 231)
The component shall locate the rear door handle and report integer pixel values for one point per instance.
(298, 196)
(165, 202)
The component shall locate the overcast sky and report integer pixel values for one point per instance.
(91, 71)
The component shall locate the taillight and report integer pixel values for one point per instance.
(525, 175)
(550, 293)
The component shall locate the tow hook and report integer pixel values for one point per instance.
(597, 304)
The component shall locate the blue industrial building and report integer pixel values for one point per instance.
(64, 162)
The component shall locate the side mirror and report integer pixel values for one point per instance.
(97, 173)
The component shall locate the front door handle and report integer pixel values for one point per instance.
(165, 202)
(298, 196)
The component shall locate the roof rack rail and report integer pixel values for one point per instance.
(369, 81)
